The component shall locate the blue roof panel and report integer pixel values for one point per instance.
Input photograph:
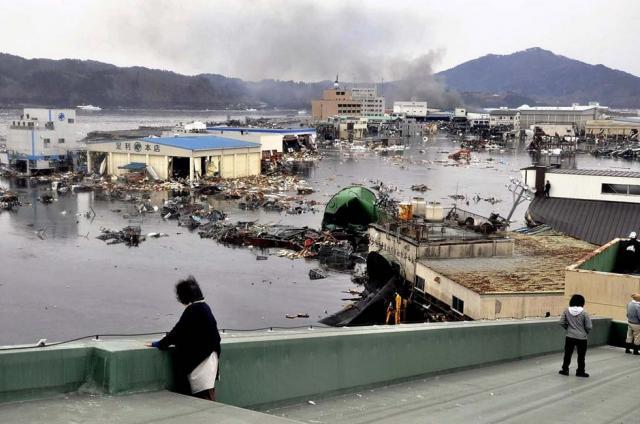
(209, 142)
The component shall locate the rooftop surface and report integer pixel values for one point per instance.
(526, 391)
(265, 130)
(538, 264)
(596, 172)
(209, 142)
(153, 407)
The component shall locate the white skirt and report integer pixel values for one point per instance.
(203, 377)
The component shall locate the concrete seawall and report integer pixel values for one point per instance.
(261, 369)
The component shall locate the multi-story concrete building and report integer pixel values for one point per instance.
(504, 117)
(335, 101)
(42, 138)
(575, 114)
(411, 109)
(478, 120)
(372, 104)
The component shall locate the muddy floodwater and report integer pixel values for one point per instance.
(57, 281)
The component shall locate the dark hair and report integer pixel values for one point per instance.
(188, 290)
(576, 300)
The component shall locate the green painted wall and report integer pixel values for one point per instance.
(604, 261)
(267, 369)
(39, 373)
(290, 369)
(618, 333)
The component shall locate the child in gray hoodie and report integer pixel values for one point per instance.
(576, 321)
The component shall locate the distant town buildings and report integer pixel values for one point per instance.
(355, 102)
(335, 101)
(410, 109)
(42, 139)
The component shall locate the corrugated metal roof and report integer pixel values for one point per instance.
(596, 172)
(201, 142)
(594, 221)
(577, 108)
(505, 112)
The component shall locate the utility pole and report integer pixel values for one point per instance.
(521, 193)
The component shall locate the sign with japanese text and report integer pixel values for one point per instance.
(137, 147)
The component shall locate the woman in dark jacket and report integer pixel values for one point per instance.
(197, 343)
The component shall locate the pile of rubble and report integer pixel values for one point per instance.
(9, 200)
(332, 248)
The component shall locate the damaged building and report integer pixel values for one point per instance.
(272, 140)
(479, 274)
(176, 157)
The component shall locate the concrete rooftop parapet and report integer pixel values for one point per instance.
(271, 368)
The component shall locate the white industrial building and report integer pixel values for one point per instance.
(42, 139)
(575, 114)
(586, 184)
(192, 127)
(372, 104)
(410, 109)
(179, 156)
(270, 139)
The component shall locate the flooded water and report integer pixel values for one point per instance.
(70, 284)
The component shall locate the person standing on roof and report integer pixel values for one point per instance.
(633, 321)
(575, 320)
(197, 343)
(547, 189)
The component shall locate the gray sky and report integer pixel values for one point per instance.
(312, 40)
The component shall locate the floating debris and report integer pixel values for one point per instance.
(129, 235)
(294, 316)
(420, 187)
(46, 199)
(317, 274)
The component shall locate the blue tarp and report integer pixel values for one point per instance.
(134, 166)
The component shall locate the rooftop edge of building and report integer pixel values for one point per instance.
(271, 368)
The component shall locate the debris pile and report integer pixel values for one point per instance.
(9, 200)
(334, 249)
(129, 235)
